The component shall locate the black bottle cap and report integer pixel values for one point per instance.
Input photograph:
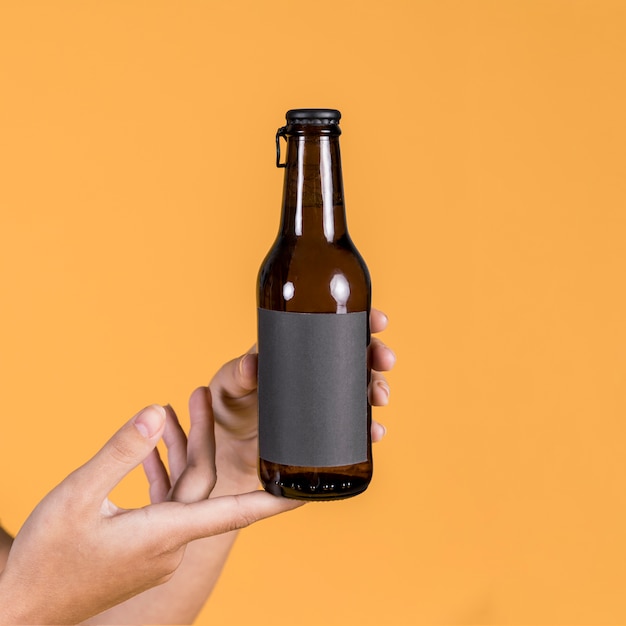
(313, 116)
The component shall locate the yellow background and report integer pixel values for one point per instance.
(484, 164)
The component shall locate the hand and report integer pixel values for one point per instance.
(5, 545)
(234, 392)
(192, 478)
(78, 554)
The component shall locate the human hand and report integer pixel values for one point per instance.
(234, 392)
(192, 474)
(78, 554)
(5, 545)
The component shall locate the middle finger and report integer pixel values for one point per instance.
(176, 443)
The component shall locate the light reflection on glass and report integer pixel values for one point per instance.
(326, 175)
(300, 186)
(340, 291)
(288, 290)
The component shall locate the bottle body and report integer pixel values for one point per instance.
(314, 299)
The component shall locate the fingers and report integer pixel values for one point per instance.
(381, 357)
(157, 476)
(128, 447)
(378, 392)
(201, 445)
(378, 389)
(378, 431)
(176, 442)
(378, 321)
(237, 378)
(233, 389)
(227, 513)
(198, 478)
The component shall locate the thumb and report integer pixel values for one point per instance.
(128, 447)
(236, 380)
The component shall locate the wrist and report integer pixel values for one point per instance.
(17, 605)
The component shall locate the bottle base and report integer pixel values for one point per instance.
(313, 485)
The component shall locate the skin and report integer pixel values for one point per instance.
(5, 545)
(79, 558)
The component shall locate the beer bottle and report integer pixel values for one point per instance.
(314, 299)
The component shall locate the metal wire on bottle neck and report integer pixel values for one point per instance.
(280, 133)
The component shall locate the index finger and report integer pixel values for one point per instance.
(222, 514)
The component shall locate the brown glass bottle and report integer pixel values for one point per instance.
(314, 299)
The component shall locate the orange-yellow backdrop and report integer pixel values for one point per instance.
(484, 164)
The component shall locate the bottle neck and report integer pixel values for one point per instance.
(313, 207)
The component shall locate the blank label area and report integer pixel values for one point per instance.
(313, 388)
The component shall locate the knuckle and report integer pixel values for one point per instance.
(122, 451)
(207, 477)
(72, 493)
(242, 517)
(194, 487)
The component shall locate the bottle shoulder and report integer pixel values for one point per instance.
(304, 275)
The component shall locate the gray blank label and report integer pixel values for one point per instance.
(312, 388)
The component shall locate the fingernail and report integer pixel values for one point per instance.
(385, 388)
(150, 420)
(247, 366)
(381, 431)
